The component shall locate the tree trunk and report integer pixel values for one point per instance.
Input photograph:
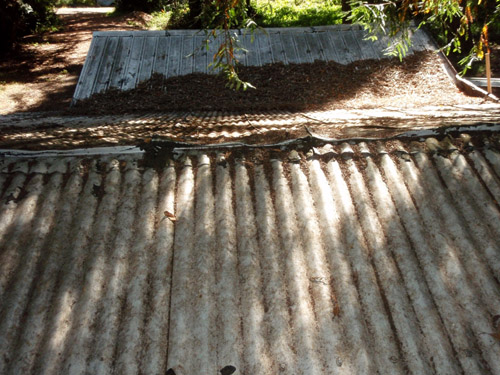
(346, 8)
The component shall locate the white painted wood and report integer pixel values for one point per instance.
(121, 60)
(327, 47)
(134, 63)
(162, 50)
(352, 50)
(340, 48)
(291, 50)
(107, 63)
(277, 48)
(200, 54)
(315, 48)
(187, 58)
(174, 56)
(148, 58)
(84, 87)
(265, 52)
(303, 48)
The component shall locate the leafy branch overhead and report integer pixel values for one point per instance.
(461, 26)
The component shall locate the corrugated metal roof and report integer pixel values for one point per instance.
(377, 257)
(123, 59)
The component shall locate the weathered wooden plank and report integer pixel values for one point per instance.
(366, 46)
(121, 60)
(290, 48)
(340, 48)
(174, 56)
(252, 54)
(148, 58)
(303, 50)
(213, 47)
(134, 63)
(277, 48)
(160, 63)
(239, 52)
(380, 46)
(187, 58)
(200, 54)
(91, 66)
(315, 47)
(423, 39)
(327, 46)
(352, 50)
(108, 58)
(264, 47)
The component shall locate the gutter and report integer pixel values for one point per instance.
(462, 83)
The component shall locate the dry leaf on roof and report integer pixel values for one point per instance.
(171, 216)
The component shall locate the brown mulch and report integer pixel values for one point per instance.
(417, 80)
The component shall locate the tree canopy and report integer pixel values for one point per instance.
(460, 25)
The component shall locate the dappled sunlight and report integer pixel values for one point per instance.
(356, 258)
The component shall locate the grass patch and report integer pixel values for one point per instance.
(286, 13)
(75, 3)
(160, 20)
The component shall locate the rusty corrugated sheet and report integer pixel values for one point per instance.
(123, 59)
(364, 258)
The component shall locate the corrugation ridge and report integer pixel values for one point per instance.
(181, 314)
(437, 341)
(487, 175)
(229, 330)
(108, 278)
(457, 169)
(436, 279)
(479, 222)
(155, 341)
(255, 350)
(39, 304)
(8, 209)
(25, 215)
(493, 157)
(54, 339)
(22, 275)
(301, 305)
(204, 308)
(460, 255)
(390, 280)
(131, 329)
(331, 346)
(359, 355)
(462, 212)
(88, 276)
(279, 332)
(387, 355)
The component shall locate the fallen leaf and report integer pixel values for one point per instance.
(171, 216)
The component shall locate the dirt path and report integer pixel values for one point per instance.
(42, 75)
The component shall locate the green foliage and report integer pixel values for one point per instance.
(160, 20)
(285, 13)
(21, 17)
(72, 3)
(147, 6)
(461, 27)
